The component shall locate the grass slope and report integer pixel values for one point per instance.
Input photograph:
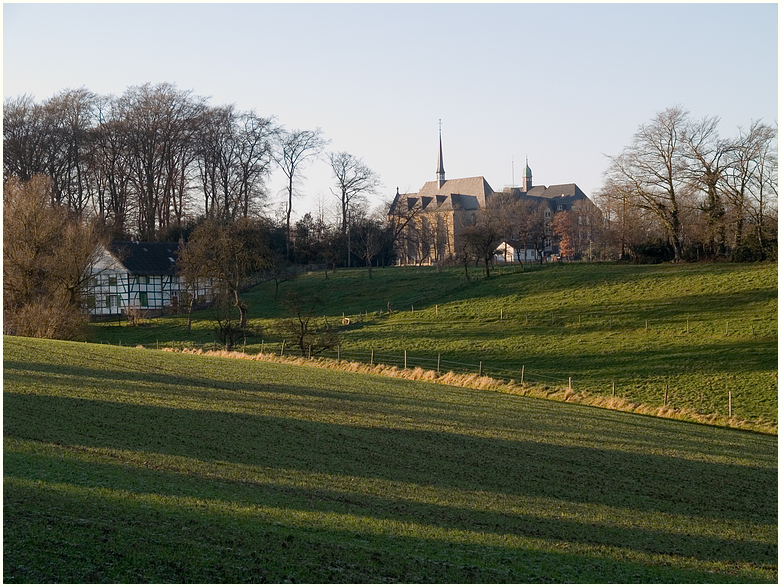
(131, 465)
(700, 331)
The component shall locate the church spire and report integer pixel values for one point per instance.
(440, 166)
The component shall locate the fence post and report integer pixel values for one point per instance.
(282, 352)
(730, 402)
(614, 389)
(371, 361)
(338, 352)
(666, 389)
(570, 384)
(726, 332)
(262, 344)
(480, 374)
(439, 359)
(309, 353)
(523, 368)
(405, 358)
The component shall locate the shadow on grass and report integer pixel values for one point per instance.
(119, 540)
(135, 478)
(645, 482)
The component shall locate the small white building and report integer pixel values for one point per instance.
(507, 253)
(132, 275)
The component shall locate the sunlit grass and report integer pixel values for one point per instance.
(697, 332)
(137, 466)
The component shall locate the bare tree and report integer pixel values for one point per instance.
(354, 180)
(653, 170)
(491, 226)
(749, 175)
(295, 148)
(370, 236)
(707, 157)
(24, 136)
(71, 114)
(156, 124)
(229, 255)
(403, 214)
(233, 156)
(311, 334)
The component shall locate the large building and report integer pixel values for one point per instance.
(435, 216)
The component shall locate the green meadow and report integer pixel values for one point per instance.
(703, 336)
(133, 465)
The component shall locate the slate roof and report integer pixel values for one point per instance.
(472, 193)
(146, 258)
(469, 186)
(565, 190)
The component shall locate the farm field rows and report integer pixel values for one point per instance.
(702, 334)
(133, 465)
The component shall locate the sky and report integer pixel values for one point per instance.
(566, 85)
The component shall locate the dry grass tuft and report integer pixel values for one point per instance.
(475, 381)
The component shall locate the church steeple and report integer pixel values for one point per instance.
(440, 166)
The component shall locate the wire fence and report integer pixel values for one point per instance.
(400, 359)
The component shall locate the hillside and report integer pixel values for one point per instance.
(695, 332)
(134, 465)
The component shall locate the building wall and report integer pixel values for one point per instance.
(116, 291)
(113, 290)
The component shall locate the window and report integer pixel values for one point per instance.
(143, 298)
(559, 207)
(112, 280)
(108, 301)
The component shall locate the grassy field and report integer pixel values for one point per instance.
(132, 465)
(697, 332)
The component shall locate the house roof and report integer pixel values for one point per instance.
(146, 258)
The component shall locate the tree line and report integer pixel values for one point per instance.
(152, 161)
(679, 191)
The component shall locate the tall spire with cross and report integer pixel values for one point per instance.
(440, 166)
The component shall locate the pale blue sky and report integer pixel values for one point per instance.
(564, 84)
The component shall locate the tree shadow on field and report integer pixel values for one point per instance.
(173, 382)
(645, 482)
(203, 546)
(133, 477)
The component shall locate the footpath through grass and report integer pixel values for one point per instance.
(132, 465)
(698, 335)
